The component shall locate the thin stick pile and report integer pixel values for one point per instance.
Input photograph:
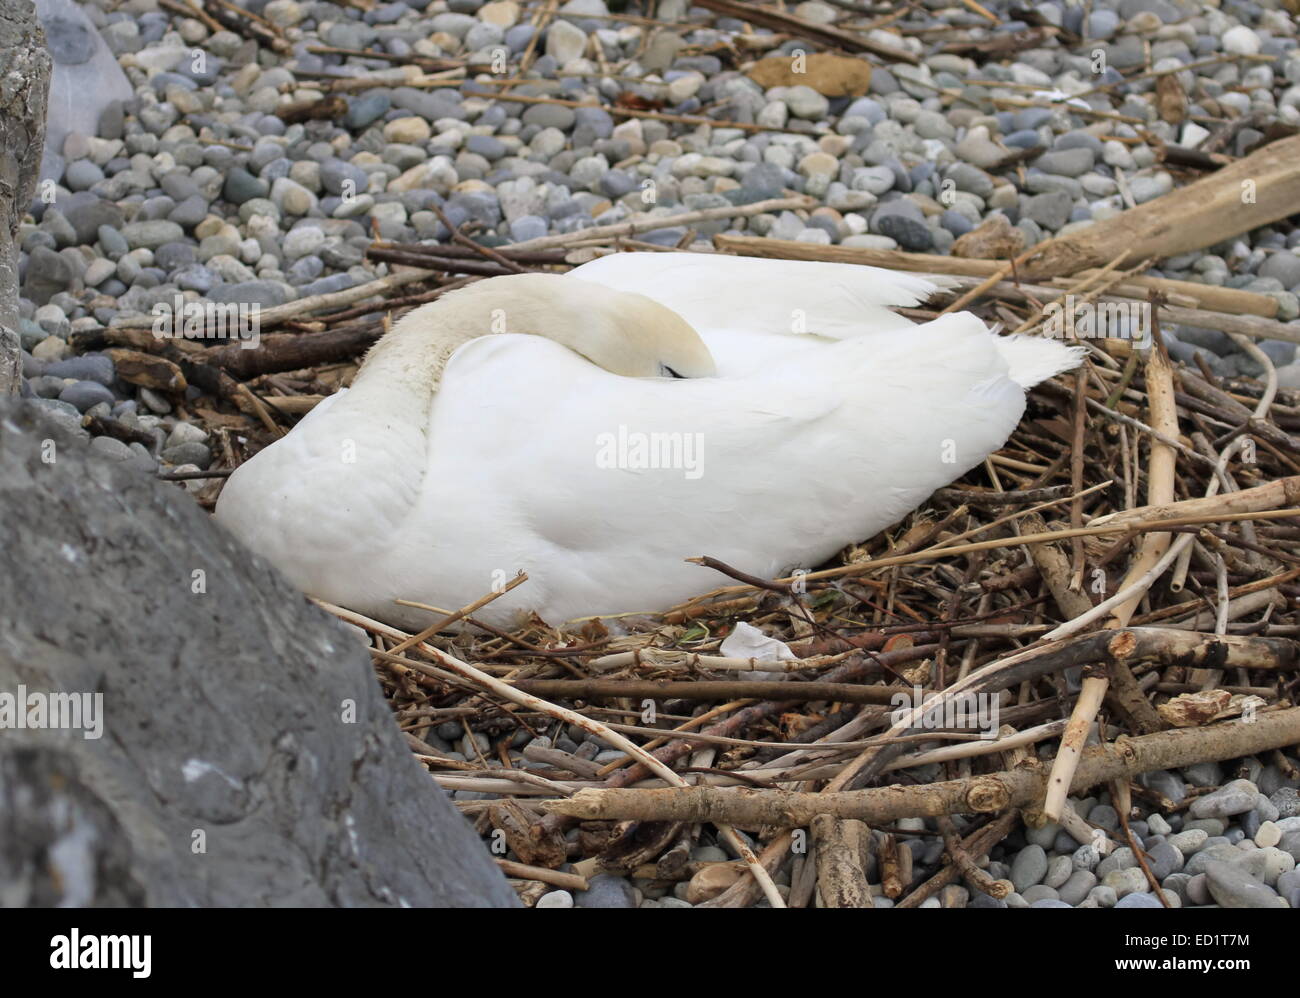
(1123, 572)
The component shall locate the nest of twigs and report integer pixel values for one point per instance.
(1124, 574)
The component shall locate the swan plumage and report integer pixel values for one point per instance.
(829, 418)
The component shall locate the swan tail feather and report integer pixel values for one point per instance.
(1032, 359)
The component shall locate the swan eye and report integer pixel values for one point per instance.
(667, 372)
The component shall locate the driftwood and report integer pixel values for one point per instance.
(841, 850)
(294, 351)
(1207, 296)
(823, 34)
(981, 794)
(659, 689)
(1252, 192)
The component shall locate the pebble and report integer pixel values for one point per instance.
(1235, 798)
(1029, 867)
(151, 234)
(1066, 162)
(1232, 887)
(85, 394)
(1139, 899)
(606, 891)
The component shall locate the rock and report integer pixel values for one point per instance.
(1236, 797)
(1066, 162)
(151, 234)
(292, 197)
(408, 131)
(1240, 40)
(1102, 24)
(328, 811)
(81, 175)
(875, 180)
(85, 81)
(113, 450)
(907, 232)
(978, 149)
(1164, 859)
(1051, 211)
(88, 367)
(606, 891)
(365, 110)
(1284, 266)
(829, 74)
(502, 14)
(195, 454)
(47, 275)
(51, 349)
(1146, 189)
(805, 102)
(993, 239)
(1287, 802)
(88, 216)
(84, 394)
(1233, 887)
(1139, 899)
(302, 241)
(285, 13)
(1074, 890)
(266, 294)
(819, 163)
(555, 899)
(564, 43)
(1029, 867)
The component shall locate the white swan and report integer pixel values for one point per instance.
(828, 418)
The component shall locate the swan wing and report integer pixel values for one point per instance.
(757, 295)
(599, 487)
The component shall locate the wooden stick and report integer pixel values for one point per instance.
(1254, 191)
(841, 848)
(645, 223)
(611, 737)
(979, 794)
(823, 34)
(790, 692)
(978, 843)
(1210, 297)
(568, 881)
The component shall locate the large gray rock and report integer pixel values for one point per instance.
(86, 78)
(25, 69)
(246, 754)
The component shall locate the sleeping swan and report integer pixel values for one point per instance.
(596, 429)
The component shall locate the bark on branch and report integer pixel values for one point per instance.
(979, 794)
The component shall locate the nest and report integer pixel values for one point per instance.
(1124, 573)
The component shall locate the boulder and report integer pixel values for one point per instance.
(233, 747)
(86, 78)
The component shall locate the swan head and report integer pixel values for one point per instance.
(634, 336)
(624, 332)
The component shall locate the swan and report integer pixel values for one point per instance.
(595, 429)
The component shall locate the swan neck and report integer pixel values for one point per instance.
(404, 370)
